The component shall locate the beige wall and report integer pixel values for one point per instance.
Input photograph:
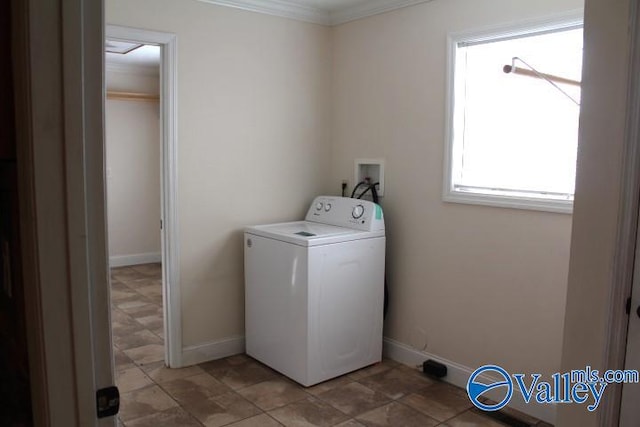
(132, 135)
(132, 79)
(470, 284)
(253, 140)
(597, 192)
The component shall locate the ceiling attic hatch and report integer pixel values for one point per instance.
(113, 46)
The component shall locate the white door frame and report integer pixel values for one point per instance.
(169, 173)
(58, 64)
(630, 393)
(626, 244)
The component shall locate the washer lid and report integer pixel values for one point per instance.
(305, 233)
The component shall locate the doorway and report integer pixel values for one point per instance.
(147, 270)
(132, 148)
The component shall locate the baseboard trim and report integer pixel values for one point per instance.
(134, 259)
(458, 375)
(192, 355)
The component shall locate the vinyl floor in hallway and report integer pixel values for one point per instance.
(238, 391)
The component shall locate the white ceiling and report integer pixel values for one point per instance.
(144, 59)
(333, 5)
(326, 12)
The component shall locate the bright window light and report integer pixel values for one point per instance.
(513, 138)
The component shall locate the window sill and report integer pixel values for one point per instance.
(511, 202)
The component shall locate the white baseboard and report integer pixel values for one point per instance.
(458, 375)
(195, 354)
(134, 259)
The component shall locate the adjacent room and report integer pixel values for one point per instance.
(273, 108)
(132, 142)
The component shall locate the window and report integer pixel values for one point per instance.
(512, 138)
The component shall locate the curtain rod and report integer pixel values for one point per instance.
(550, 78)
(511, 69)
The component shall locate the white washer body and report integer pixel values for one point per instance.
(314, 303)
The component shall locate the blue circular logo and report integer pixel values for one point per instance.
(475, 388)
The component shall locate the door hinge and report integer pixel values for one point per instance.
(628, 306)
(108, 401)
(161, 224)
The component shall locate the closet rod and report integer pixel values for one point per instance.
(132, 96)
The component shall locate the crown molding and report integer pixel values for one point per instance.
(369, 9)
(282, 8)
(289, 9)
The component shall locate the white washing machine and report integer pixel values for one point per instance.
(314, 290)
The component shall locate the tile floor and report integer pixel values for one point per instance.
(240, 392)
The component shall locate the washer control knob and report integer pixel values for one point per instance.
(327, 207)
(319, 206)
(358, 211)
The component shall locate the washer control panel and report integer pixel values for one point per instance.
(346, 212)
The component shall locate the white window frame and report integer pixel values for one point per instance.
(572, 19)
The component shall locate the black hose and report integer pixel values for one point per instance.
(374, 193)
(353, 193)
(374, 196)
(370, 187)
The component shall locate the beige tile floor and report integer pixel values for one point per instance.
(240, 392)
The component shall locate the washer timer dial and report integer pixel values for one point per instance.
(358, 211)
